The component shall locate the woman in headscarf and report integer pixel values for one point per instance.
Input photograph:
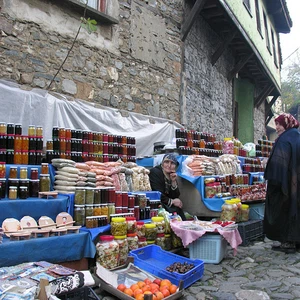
(282, 210)
(163, 179)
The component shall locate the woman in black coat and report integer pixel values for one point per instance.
(163, 179)
(282, 211)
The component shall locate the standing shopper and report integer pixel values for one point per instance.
(282, 211)
(163, 179)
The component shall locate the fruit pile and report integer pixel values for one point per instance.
(180, 267)
(158, 288)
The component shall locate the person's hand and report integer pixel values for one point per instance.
(173, 177)
(177, 202)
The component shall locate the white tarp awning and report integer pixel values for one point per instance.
(38, 107)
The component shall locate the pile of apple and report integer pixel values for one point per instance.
(158, 288)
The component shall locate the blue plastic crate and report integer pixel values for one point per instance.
(211, 248)
(256, 211)
(152, 195)
(154, 260)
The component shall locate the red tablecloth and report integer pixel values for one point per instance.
(188, 236)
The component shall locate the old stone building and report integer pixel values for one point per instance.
(210, 65)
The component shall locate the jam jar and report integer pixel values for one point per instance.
(44, 182)
(107, 252)
(12, 193)
(23, 193)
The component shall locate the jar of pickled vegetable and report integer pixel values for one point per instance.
(79, 215)
(18, 143)
(142, 242)
(140, 228)
(118, 226)
(123, 249)
(150, 231)
(161, 241)
(25, 143)
(229, 211)
(176, 240)
(79, 197)
(245, 213)
(89, 222)
(89, 196)
(89, 208)
(131, 224)
(2, 169)
(168, 242)
(132, 239)
(160, 224)
(44, 182)
(96, 210)
(107, 252)
(44, 168)
(104, 209)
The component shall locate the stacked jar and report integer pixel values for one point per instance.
(150, 233)
(123, 248)
(107, 252)
(229, 211)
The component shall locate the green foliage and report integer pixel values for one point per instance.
(291, 87)
(88, 24)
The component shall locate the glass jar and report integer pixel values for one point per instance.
(244, 213)
(23, 173)
(3, 128)
(118, 202)
(39, 131)
(25, 156)
(3, 187)
(18, 143)
(25, 143)
(118, 226)
(123, 249)
(18, 158)
(150, 231)
(23, 193)
(111, 210)
(49, 145)
(79, 197)
(131, 224)
(12, 193)
(79, 215)
(104, 209)
(3, 139)
(34, 173)
(140, 228)
(107, 252)
(89, 196)
(176, 240)
(142, 200)
(89, 208)
(160, 224)
(10, 128)
(34, 187)
(160, 240)
(132, 239)
(31, 130)
(2, 169)
(229, 211)
(96, 210)
(142, 242)
(168, 242)
(89, 222)
(13, 172)
(97, 196)
(44, 182)
(44, 168)
(24, 182)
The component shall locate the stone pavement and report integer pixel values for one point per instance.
(256, 272)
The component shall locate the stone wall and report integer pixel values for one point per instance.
(208, 92)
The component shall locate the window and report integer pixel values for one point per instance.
(247, 4)
(257, 12)
(96, 4)
(267, 32)
(274, 49)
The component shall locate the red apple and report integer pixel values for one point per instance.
(157, 281)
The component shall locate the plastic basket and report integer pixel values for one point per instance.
(256, 211)
(250, 231)
(85, 293)
(154, 260)
(211, 248)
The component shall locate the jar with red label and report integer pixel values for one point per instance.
(107, 252)
(124, 199)
(118, 202)
(131, 201)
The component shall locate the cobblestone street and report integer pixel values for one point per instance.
(256, 272)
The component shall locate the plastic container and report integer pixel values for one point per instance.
(229, 211)
(123, 249)
(160, 224)
(155, 261)
(244, 213)
(131, 224)
(107, 251)
(256, 211)
(132, 239)
(150, 231)
(118, 226)
(210, 248)
(250, 231)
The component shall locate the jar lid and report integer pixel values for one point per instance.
(23, 187)
(130, 218)
(167, 235)
(160, 235)
(157, 219)
(245, 206)
(118, 219)
(44, 175)
(150, 242)
(150, 225)
(131, 234)
(142, 239)
(106, 237)
(13, 179)
(79, 205)
(119, 237)
(12, 187)
(89, 205)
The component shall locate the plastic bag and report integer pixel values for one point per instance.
(250, 148)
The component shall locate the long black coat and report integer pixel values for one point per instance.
(282, 211)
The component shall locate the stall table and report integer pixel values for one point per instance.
(55, 249)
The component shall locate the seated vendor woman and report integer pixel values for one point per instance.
(163, 179)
